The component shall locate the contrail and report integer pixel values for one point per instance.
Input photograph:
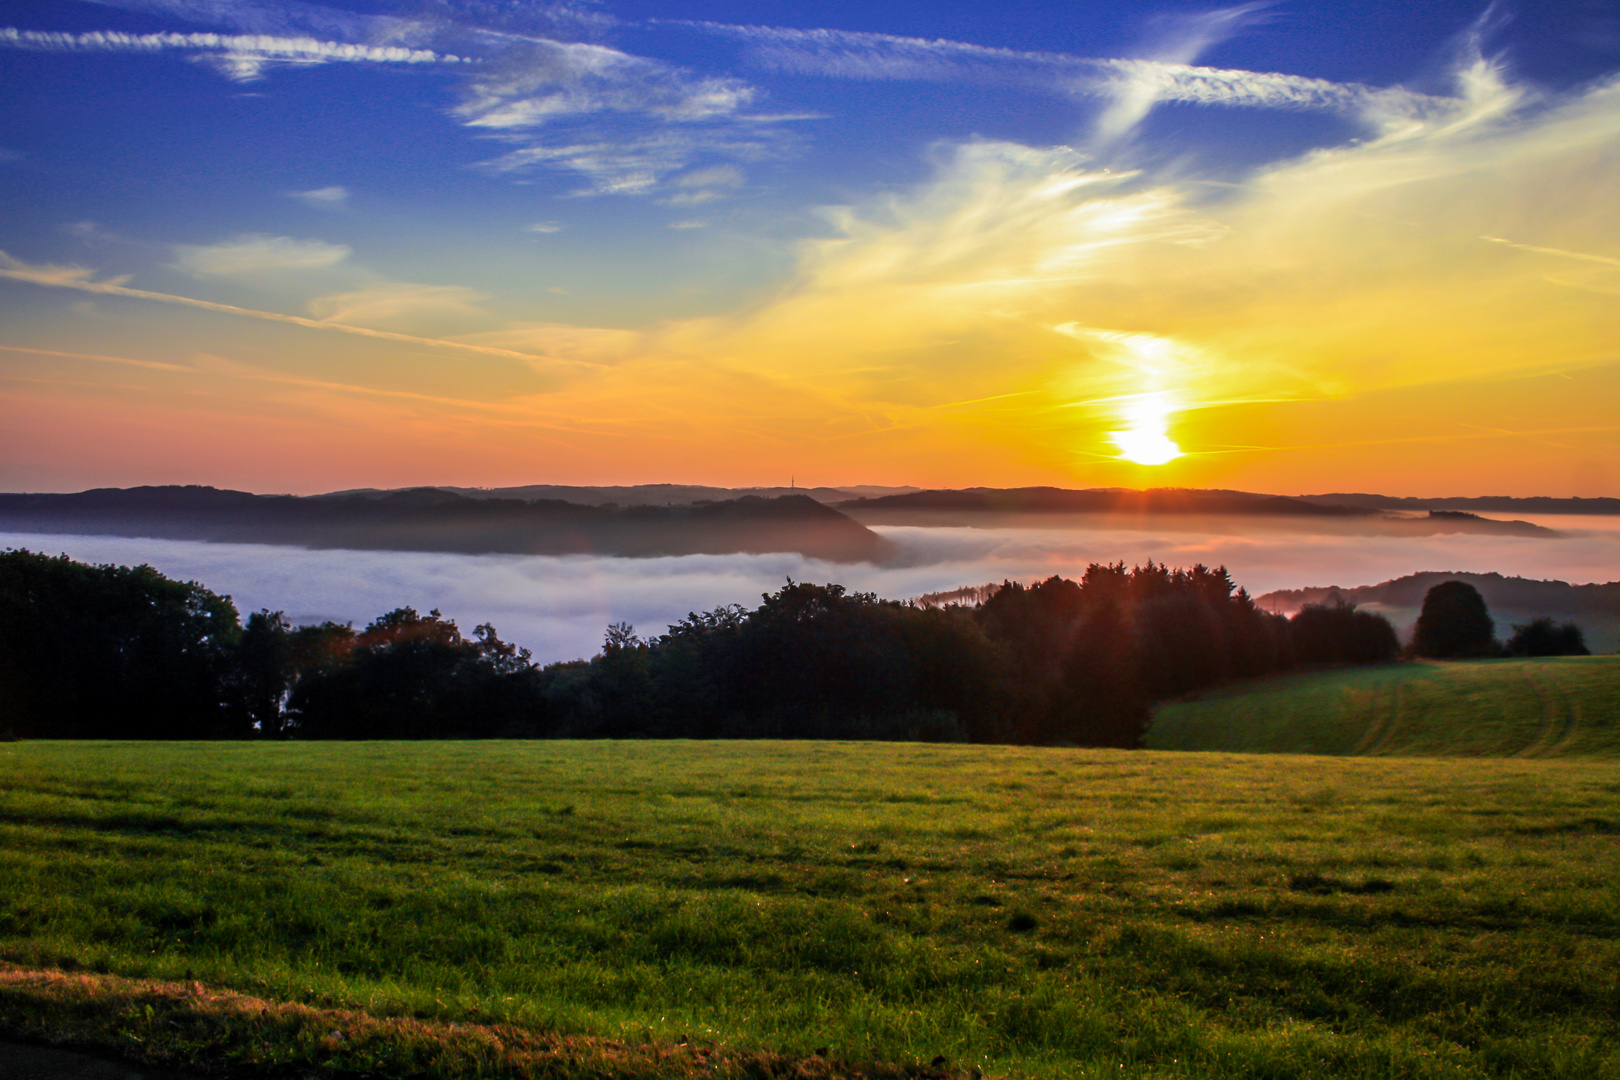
(35, 277)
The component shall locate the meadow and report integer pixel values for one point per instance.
(1548, 707)
(751, 908)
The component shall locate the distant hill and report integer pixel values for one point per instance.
(1555, 707)
(645, 494)
(1501, 504)
(1045, 506)
(431, 519)
(1505, 592)
(1052, 500)
(1512, 601)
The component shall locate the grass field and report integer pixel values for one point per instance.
(1554, 707)
(1025, 912)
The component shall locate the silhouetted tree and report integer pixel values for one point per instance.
(1104, 700)
(1084, 661)
(109, 651)
(263, 670)
(113, 652)
(411, 676)
(1540, 637)
(1336, 633)
(1454, 623)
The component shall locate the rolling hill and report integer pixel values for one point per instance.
(431, 519)
(1556, 707)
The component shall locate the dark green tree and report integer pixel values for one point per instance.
(1336, 633)
(1541, 637)
(263, 670)
(1454, 624)
(411, 676)
(114, 652)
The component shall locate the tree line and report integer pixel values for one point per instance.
(118, 652)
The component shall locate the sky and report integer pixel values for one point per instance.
(1295, 246)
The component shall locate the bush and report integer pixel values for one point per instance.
(1539, 637)
(1339, 634)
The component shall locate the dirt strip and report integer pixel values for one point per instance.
(151, 1028)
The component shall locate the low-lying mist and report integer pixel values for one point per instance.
(559, 606)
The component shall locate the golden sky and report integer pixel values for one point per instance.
(1428, 302)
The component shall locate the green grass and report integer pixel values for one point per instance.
(1026, 912)
(1555, 707)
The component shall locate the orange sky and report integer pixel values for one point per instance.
(1430, 307)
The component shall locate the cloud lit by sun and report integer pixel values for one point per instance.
(1147, 441)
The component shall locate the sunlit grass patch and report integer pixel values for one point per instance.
(1550, 707)
(1019, 911)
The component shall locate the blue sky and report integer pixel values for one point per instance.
(436, 182)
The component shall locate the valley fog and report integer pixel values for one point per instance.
(559, 606)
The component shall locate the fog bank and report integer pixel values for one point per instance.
(558, 606)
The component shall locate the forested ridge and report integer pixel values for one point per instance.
(433, 519)
(119, 652)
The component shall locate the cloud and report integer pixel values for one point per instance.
(83, 280)
(1132, 85)
(634, 164)
(542, 82)
(1014, 307)
(150, 365)
(1180, 40)
(624, 122)
(704, 186)
(281, 18)
(49, 273)
(399, 305)
(240, 57)
(543, 227)
(716, 176)
(253, 254)
(443, 24)
(90, 232)
(326, 198)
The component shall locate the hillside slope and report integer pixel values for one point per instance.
(1563, 707)
(429, 519)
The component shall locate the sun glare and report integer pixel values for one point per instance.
(1147, 441)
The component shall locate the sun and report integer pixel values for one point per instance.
(1147, 440)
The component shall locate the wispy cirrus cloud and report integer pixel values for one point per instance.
(455, 25)
(83, 279)
(626, 123)
(335, 197)
(1025, 299)
(633, 163)
(399, 305)
(621, 121)
(239, 57)
(1177, 41)
(541, 82)
(254, 254)
(1131, 85)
